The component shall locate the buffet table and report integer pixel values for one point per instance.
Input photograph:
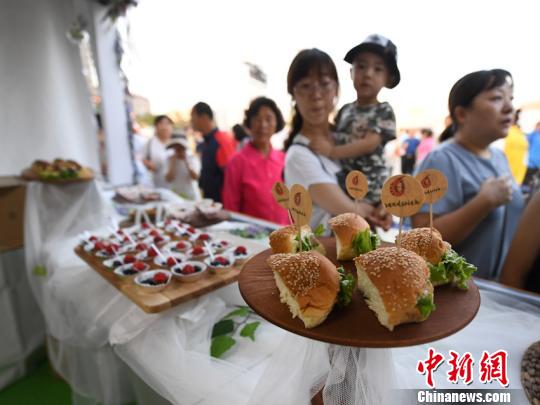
(110, 351)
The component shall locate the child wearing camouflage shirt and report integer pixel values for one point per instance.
(363, 127)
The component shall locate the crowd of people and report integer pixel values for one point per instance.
(480, 213)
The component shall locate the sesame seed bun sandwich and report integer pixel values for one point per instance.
(353, 236)
(310, 285)
(285, 240)
(396, 286)
(445, 265)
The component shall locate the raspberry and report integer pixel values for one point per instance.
(181, 245)
(160, 278)
(151, 252)
(99, 246)
(141, 246)
(191, 230)
(197, 250)
(188, 269)
(126, 239)
(204, 236)
(221, 260)
(240, 250)
(154, 232)
(139, 266)
(129, 259)
(110, 250)
(92, 238)
(171, 261)
(145, 225)
(158, 239)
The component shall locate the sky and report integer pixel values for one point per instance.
(182, 52)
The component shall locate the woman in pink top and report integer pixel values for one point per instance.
(251, 172)
(426, 145)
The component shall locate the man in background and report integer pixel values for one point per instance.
(216, 150)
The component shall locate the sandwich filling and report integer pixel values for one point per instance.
(452, 268)
(365, 241)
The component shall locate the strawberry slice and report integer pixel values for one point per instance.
(158, 239)
(160, 278)
(154, 232)
(99, 246)
(141, 246)
(93, 238)
(151, 252)
(222, 260)
(144, 225)
(139, 266)
(204, 236)
(181, 245)
(171, 261)
(191, 230)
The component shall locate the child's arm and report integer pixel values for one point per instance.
(360, 147)
(170, 172)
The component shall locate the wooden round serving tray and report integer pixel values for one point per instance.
(356, 325)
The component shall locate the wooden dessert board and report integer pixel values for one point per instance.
(30, 175)
(356, 325)
(176, 292)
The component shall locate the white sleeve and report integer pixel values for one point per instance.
(303, 167)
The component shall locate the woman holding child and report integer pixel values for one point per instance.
(312, 82)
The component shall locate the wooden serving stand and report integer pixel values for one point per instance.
(176, 292)
(356, 325)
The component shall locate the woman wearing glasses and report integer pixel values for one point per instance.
(312, 82)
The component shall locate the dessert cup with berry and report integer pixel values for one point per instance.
(182, 246)
(119, 261)
(220, 246)
(189, 271)
(203, 238)
(198, 253)
(240, 254)
(126, 272)
(219, 263)
(153, 281)
(169, 259)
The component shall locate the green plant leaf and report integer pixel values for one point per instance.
(242, 311)
(40, 271)
(222, 328)
(220, 344)
(249, 330)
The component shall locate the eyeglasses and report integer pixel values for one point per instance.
(309, 88)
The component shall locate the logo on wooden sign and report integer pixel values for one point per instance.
(300, 205)
(402, 195)
(434, 184)
(356, 184)
(281, 194)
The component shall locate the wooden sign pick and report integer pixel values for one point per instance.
(301, 207)
(281, 195)
(357, 185)
(435, 185)
(402, 196)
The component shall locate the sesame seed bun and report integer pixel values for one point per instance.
(308, 283)
(283, 240)
(392, 280)
(425, 243)
(346, 227)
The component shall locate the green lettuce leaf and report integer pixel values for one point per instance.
(347, 284)
(452, 268)
(306, 243)
(319, 231)
(426, 305)
(365, 241)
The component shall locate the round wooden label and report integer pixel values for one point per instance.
(434, 184)
(402, 195)
(357, 185)
(281, 194)
(300, 205)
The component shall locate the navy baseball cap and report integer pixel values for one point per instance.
(383, 47)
